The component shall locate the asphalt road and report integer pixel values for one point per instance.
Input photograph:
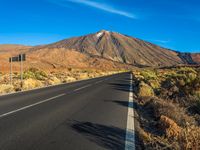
(84, 115)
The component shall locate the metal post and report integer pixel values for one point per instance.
(21, 68)
(11, 71)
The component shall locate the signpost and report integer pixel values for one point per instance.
(10, 60)
(20, 58)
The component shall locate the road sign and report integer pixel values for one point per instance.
(14, 59)
(21, 57)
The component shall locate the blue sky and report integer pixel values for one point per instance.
(173, 24)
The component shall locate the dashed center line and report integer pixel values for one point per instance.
(29, 106)
(83, 87)
(99, 81)
(32, 105)
(46, 100)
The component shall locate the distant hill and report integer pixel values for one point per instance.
(13, 47)
(190, 58)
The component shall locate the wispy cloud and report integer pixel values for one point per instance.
(161, 41)
(100, 6)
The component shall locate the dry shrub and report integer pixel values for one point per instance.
(53, 80)
(83, 76)
(6, 88)
(172, 130)
(34, 73)
(161, 143)
(159, 107)
(145, 90)
(31, 84)
(69, 79)
(172, 120)
(190, 138)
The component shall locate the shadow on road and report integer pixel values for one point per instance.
(124, 103)
(121, 86)
(109, 137)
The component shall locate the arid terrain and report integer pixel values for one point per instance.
(168, 107)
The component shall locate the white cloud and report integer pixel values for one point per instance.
(161, 41)
(102, 6)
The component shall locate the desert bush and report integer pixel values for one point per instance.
(31, 84)
(186, 80)
(190, 138)
(145, 90)
(155, 84)
(161, 143)
(28, 75)
(6, 88)
(173, 114)
(69, 79)
(40, 75)
(53, 80)
(82, 76)
(149, 74)
(160, 107)
(186, 73)
(184, 70)
(170, 127)
(34, 74)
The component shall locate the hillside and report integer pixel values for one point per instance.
(120, 48)
(190, 58)
(12, 47)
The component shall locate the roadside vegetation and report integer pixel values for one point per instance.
(35, 78)
(168, 102)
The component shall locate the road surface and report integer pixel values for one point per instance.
(84, 115)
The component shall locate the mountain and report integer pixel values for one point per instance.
(120, 48)
(103, 50)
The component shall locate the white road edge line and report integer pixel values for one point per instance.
(83, 87)
(26, 107)
(130, 129)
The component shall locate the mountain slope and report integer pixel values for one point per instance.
(120, 48)
(190, 58)
(62, 58)
(102, 50)
(12, 47)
